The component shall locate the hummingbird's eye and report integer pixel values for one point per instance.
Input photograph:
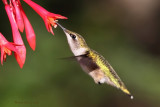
(73, 36)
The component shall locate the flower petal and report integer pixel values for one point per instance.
(21, 50)
(6, 48)
(48, 17)
(2, 54)
(40, 10)
(20, 55)
(18, 15)
(30, 35)
(56, 16)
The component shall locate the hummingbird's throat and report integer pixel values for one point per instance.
(79, 51)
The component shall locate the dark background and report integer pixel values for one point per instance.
(125, 32)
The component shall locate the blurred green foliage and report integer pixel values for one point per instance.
(48, 81)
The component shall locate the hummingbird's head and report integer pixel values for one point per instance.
(75, 41)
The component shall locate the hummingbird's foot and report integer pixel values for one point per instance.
(98, 76)
(99, 83)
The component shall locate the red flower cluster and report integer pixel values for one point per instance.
(19, 22)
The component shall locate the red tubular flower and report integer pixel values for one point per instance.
(18, 16)
(48, 17)
(19, 20)
(23, 21)
(6, 48)
(30, 35)
(21, 50)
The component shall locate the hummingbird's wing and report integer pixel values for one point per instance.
(87, 63)
(68, 58)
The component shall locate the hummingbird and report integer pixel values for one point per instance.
(92, 62)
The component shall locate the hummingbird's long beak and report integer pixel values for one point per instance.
(61, 26)
(66, 31)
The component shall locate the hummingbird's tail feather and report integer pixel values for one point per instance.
(120, 86)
